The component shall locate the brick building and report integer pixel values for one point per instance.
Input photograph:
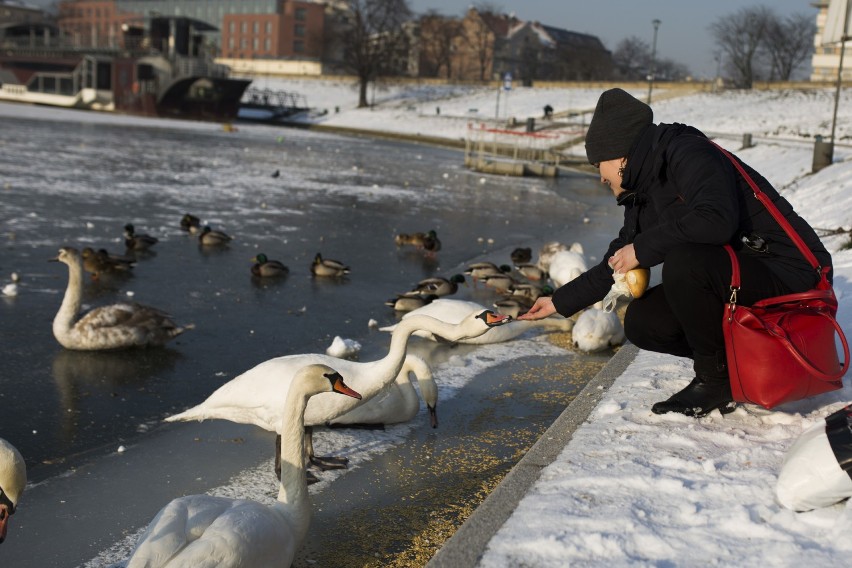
(295, 31)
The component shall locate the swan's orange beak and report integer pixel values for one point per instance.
(493, 320)
(340, 386)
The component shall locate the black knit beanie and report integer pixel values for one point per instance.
(618, 120)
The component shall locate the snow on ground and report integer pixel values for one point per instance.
(633, 488)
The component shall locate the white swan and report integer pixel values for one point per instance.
(116, 326)
(566, 265)
(596, 329)
(547, 250)
(400, 402)
(452, 311)
(256, 396)
(13, 480)
(204, 530)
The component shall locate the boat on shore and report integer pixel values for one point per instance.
(161, 70)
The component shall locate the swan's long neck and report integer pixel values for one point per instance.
(70, 307)
(391, 364)
(293, 502)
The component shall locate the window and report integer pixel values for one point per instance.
(299, 30)
(232, 26)
(256, 44)
(299, 46)
(257, 28)
(268, 44)
(269, 27)
(230, 43)
(301, 14)
(244, 27)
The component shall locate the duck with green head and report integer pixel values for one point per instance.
(263, 267)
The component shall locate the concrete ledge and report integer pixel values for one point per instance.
(466, 546)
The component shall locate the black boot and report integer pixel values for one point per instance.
(709, 390)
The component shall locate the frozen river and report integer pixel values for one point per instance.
(67, 180)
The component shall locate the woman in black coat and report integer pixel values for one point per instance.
(683, 201)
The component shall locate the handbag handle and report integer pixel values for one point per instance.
(779, 332)
(780, 219)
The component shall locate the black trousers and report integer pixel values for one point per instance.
(683, 315)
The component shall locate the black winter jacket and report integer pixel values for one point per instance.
(681, 189)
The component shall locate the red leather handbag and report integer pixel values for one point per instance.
(783, 348)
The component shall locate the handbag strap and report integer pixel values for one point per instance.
(776, 214)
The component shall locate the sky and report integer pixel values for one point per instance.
(683, 35)
(664, 489)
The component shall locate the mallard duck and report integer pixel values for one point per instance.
(479, 270)
(500, 282)
(116, 326)
(212, 238)
(532, 271)
(13, 480)
(439, 285)
(530, 291)
(410, 239)
(190, 223)
(427, 241)
(431, 244)
(138, 242)
(514, 306)
(521, 255)
(265, 268)
(98, 262)
(410, 301)
(207, 530)
(328, 267)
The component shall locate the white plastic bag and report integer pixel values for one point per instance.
(816, 470)
(631, 284)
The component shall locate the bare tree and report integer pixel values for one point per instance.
(789, 43)
(438, 35)
(632, 58)
(372, 39)
(480, 37)
(668, 70)
(741, 36)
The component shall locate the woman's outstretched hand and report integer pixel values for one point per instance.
(542, 308)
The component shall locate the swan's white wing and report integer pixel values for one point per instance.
(206, 531)
(565, 266)
(257, 396)
(596, 330)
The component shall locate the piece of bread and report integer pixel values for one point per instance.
(637, 281)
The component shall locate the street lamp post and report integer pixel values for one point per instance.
(716, 81)
(653, 60)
